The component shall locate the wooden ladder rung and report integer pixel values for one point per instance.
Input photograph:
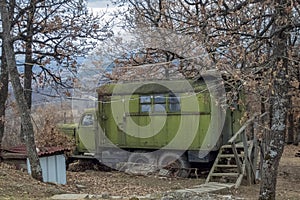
(228, 146)
(225, 174)
(226, 166)
(229, 155)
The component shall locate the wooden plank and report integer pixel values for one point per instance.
(229, 146)
(226, 166)
(252, 162)
(240, 178)
(237, 160)
(207, 187)
(233, 138)
(246, 161)
(225, 174)
(228, 185)
(239, 181)
(9, 156)
(210, 186)
(230, 155)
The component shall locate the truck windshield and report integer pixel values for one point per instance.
(87, 120)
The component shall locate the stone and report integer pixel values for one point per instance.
(105, 196)
(80, 186)
(69, 196)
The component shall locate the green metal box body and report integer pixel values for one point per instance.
(177, 119)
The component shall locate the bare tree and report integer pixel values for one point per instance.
(44, 33)
(257, 42)
(53, 33)
(7, 39)
(3, 92)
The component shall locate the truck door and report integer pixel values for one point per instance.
(86, 133)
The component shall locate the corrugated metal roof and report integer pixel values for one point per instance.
(42, 151)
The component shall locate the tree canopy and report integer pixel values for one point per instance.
(255, 41)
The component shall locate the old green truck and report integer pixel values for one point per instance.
(167, 122)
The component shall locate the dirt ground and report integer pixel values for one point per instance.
(288, 180)
(15, 184)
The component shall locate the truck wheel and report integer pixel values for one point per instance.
(178, 165)
(146, 163)
(142, 157)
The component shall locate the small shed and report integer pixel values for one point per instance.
(52, 160)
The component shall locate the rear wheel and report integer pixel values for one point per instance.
(141, 162)
(142, 157)
(177, 164)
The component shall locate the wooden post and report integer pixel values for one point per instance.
(248, 170)
(255, 150)
(236, 156)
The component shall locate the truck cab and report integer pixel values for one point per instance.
(83, 132)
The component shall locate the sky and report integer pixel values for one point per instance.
(100, 5)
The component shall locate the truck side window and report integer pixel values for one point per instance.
(174, 103)
(87, 120)
(159, 103)
(145, 102)
(145, 99)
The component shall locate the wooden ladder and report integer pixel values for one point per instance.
(226, 168)
(239, 158)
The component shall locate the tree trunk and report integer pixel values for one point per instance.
(278, 108)
(36, 169)
(3, 92)
(290, 132)
(290, 123)
(297, 134)
(28, 62)
(297, 131)
(27, 83)
(275, 146)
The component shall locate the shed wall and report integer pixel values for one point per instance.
(53, 168)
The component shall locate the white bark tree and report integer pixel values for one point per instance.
(7, 42)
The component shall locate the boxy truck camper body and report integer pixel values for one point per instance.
(162, 117)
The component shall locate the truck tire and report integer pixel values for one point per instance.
(177, 164)
(142, 157)
(146, 163)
